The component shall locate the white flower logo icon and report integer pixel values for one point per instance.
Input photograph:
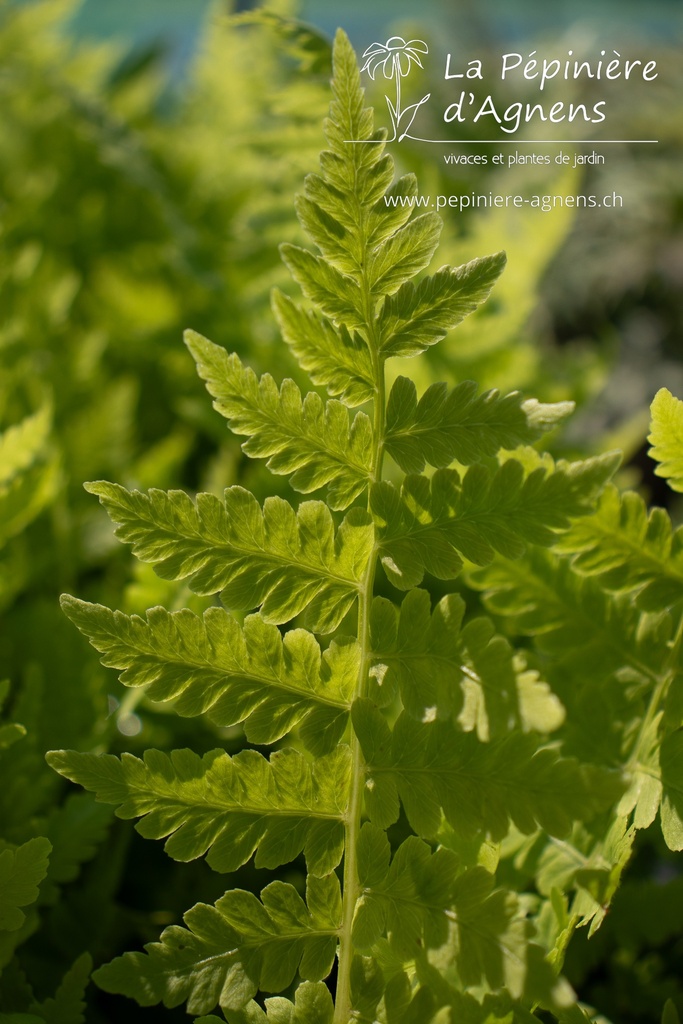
(395, 58)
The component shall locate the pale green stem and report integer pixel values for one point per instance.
(352, 891)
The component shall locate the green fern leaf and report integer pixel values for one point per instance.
(308, 439)
(431, 523)
(666, 437)
(21, 871)
(591, 864)
(377, 172)
(337, 245)
(501, 693)
(278, 559)
(671, 768)
(404, 1005)
(248, 673)
(418, 316)
(398, 1000)
(76, 829)
(407, 898)
(448, 725)
(336, 294)
(312, 1005)
(423, 899)
(26, 496)
(404, 254)
(230, 951)
(22, 444)
(333, 357)
(29, 472)
(438, 667)
(348, 119)
(433, 768)
(68, 1004)
(629, 548)
(227, 808)
(445, 426)
(657, 784)
(384, 217)
(492, 941)
(571, 616)
(590, 632)
(418, 654)
(495, 1009)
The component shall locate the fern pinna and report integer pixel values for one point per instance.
(424, 715)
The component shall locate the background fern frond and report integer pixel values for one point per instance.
(666, 437)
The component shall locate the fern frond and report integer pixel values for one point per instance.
(67, 1006)
(29, 472)
(226, 808)
(23, 443)
(231, 950)
(312, 1005)
(666, 437)
(417, 654)
(277, 559)
(657, 783)
(331, 355)
(590, 863)
(438, 666)
(404, 254)
(337, 295)
(459, 425)
(422, 899)
(572, 617)
(419, 316)
(248, 673)
(479, 787)
(309, 439)
(431, 523)
(629, 548)
(446, 722)
(415, 880)
(76, 829)
(22, 869)
(633, 661)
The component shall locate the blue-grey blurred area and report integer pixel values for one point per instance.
(175, 24)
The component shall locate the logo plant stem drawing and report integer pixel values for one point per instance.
(395, 58)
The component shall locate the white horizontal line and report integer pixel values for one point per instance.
(516, 142)
(545, 142)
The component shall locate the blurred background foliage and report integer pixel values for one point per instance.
(145, 188)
